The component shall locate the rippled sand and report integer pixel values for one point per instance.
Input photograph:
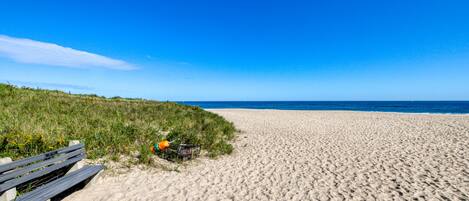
(315, 155)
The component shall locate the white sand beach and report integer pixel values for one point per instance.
(314, 155)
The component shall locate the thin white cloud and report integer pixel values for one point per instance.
(36, 52)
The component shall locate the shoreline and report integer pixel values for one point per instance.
(360, 111)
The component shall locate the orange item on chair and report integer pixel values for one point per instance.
(163, 145)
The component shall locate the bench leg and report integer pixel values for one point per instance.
(79, 164)
(9, 194)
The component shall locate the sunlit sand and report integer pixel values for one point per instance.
(315, 155)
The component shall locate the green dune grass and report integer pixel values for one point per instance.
(33, 121)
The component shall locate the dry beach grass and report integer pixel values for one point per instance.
(315, 155)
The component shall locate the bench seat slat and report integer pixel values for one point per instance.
(57, 186)
(29, 168)
(15, 164)
(15, 182)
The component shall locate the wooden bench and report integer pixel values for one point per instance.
(47, 175)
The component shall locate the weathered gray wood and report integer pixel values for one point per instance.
(26, 169)
(23, 171)
(60, 185)
(8, 195)
(15, 182)
(44, 156)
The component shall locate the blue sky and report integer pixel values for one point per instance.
(239, 50)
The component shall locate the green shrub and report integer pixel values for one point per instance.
(33, 121)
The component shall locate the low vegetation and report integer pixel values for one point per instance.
(33, 121)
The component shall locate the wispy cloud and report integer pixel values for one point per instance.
(36, 52)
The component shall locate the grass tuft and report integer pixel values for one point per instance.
(33, 121)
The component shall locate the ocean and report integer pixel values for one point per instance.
(448, 107)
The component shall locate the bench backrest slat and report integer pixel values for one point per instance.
(21, 180)
(26, 169)
(44, 156)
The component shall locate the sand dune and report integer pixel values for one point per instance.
(315, 155)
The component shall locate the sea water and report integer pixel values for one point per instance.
(452, 107)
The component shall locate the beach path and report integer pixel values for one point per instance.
(315, 155)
